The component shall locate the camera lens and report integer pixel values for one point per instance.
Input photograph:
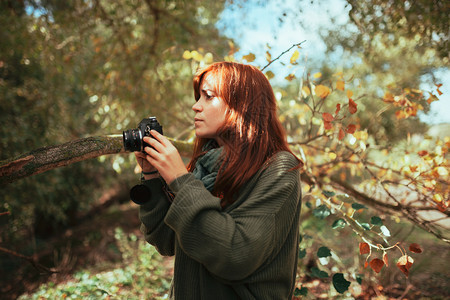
(132, 140)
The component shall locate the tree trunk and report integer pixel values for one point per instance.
(47, 158)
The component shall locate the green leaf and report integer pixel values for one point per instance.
(358, 206)
(308, 204)
(385, 231)
(328, 194)
(339, 223)
(301, 253)
(301, 292)
(318, 273)
(323, 252)
(366, 226)
(321, 212)
(358, 278)
(376, 221)
(340, 284)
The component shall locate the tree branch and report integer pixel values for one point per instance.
(47, 158)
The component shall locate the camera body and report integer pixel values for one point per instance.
(132, 138)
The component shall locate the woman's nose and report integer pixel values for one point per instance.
(196, 107)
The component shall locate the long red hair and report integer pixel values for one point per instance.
(251, 133)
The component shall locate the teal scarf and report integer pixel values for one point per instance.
(207, 166)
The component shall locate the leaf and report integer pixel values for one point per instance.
(327, 117)
(339, 223)
(340, 284)
(351, 128)
(328, 194)
(269, 75)
(415, 248)
(338, 109)
(294, 57)
(317, 75)
(341, 134)
(376, 221)
(327, 125)
(322, 91)
(290, 77)
(352, 106)
(349, 94)
(301, 292)
(358, 206)
(385, 259)
(268, 56)
(345, 198)
(301, 253)
(249, 57)
(404, 263)
(318, 273)
(364, 248)
(366, 226)
(376, 264)
(340, 85)
(321, 212)
(358, 278)
(385, 231)
(323, 252)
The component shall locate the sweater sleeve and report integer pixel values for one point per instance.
(234, 244)
(152, 214)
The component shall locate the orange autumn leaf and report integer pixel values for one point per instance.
(338, 109)
(327, 125)
(385, 259)
(366, 264)
(340, 85)
(322, 91)
(422, 153)
(327, 117)
(341, 134)
(364, 248)
(349, 94)
(437, 88)
(352, 106)
(415, 248)
(404, 264)
(351, 128)
(376, 264)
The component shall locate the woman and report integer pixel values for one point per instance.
(231, 217)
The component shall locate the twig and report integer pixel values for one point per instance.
(282, 53)
(35, 264)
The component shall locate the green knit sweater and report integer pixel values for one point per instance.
(246, 251)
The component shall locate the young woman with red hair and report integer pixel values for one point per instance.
(231, 217)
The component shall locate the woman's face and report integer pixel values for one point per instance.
(209, 110)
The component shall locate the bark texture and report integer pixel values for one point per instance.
(47, 158)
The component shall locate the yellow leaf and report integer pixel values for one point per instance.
(340, 85)
(317, 75)
(249, 57)
(349, 94)
(196, 56)
(270, 75)
(294, 57)
(322, 91)
(268, 56)
(305, 91)
(290, 77)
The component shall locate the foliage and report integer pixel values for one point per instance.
(139, 276)
(370, 165)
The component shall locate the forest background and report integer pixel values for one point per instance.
(354, 80)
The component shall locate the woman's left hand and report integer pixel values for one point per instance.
(164, 157)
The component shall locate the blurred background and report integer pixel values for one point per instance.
(81, 68)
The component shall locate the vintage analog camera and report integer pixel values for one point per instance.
(132, 138)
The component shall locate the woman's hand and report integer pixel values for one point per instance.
(164, 157)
